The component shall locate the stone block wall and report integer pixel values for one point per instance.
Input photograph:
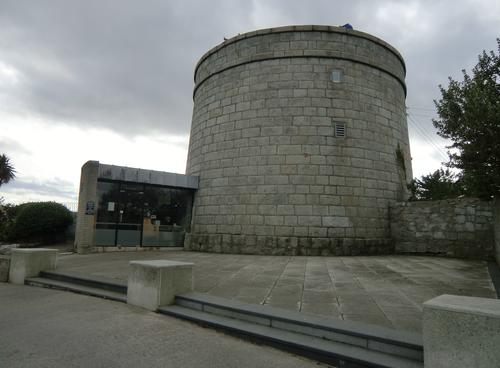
(461, 228)
(274, 177)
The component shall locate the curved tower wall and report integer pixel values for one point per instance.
(275, 177)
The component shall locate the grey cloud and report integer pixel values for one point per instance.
(128, 65)
(8, 145)
(55, 187)
(439, 40)
(123, 65)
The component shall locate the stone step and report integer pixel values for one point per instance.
(76, 288)
(343, 343)
(331, 352)
(86, 280)
(398, 343)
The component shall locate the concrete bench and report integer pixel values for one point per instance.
(152, 284)
(28, 262)
(461, 331)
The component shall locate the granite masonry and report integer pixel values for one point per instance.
(299, 138)
(299, 146)
(461, 228)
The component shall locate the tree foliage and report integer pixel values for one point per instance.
(7, 215)
(441, 184)
(7, 172)
(38, 222)
(469, 115)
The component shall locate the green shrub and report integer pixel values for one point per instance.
(40, 222)
(7, 215)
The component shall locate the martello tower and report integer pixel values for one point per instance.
(300, 141)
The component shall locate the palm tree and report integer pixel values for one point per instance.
(7, 172)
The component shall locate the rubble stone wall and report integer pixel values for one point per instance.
(461, 228)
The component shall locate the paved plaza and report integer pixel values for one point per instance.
(44, 328)
(382, 290)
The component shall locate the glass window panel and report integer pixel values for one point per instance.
(336, 76)
(107, 197)
(184, 202)
(167, 215)
(163, 214)
(130, 207)
(105, 237)
(129, 237)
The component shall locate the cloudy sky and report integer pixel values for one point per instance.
(112, 80)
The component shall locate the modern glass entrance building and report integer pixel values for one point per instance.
(128, 207)
(130, 214)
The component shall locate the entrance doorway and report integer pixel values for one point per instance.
(136, 214)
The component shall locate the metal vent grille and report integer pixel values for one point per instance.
(340, 130)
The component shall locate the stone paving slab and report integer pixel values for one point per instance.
(382, 290)
(43, 328)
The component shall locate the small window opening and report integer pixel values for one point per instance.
(340, 130)
(336, 76)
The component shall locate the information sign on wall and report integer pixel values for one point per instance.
(89, 208)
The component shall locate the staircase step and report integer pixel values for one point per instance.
(86, 280)
(331, 352)
(76, 288)
(374, 338)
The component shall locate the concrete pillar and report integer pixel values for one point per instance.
(152, 284)
(460, 331)
(87, 207)
(28, 262)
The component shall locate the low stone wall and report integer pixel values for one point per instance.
(461, 228)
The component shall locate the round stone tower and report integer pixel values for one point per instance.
(300, 141)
